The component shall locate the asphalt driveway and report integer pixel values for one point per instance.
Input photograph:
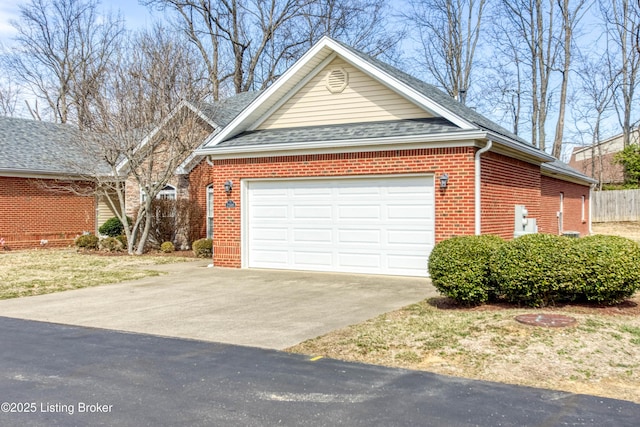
(57, 375)
(261, 308)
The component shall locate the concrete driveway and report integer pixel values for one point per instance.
(262, 308)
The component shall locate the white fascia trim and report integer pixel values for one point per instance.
(215, 139)
(155, 130)
(462, 139)
(293, 91)
(566, 176)
(523, 148)
(402, 89)
(32, 173)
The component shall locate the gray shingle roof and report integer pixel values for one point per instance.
(396, 128)
(558, 167)
(227, 109)
(31, 146)
(438, 96)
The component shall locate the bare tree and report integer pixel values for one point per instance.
(570, 14)
(597, 87)
(62, 53)
(623, 58)
(247, 44)
(448, 31)
(362, 24)
(143, 128)
(233, 37)
(9, 94)
(534, 23)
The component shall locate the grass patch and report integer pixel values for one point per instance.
(598, 356)
(36, 272)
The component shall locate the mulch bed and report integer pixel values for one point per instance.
(629, 307)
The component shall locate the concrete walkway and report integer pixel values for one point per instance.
(262, 308)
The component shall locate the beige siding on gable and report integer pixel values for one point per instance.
(363, 100)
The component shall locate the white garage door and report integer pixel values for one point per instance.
(372, 225)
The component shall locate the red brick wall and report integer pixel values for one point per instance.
(454, 207)
(29, 213)
(572, 209)
(507, 182)
(612, 172)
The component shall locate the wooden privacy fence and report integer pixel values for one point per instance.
(618, 205)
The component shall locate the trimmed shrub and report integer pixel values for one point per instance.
(110, 244)
(459, 268)
(122, 239)
(167, 247)
(87, 241)
(113, 227)
(203, 248)
(610, 268)
(535, 270)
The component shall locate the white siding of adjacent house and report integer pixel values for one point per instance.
(363, 100)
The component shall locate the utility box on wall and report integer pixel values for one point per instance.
(523, 224)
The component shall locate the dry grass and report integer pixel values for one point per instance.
(600, 355)
(630, 230)
(36, 272)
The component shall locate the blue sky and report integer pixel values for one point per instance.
(135, 15)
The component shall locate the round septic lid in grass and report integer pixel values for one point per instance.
(548, 320)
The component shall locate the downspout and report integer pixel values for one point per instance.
(591, 188)
(478, 183)
(208, 159)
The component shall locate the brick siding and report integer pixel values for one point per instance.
(507, 182)
(454, 206)
(572, 207)
(30, 213)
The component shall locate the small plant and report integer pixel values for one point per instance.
(203, 248)
(113, 227)
(87, 241)
(167, 247)
(123, 239)
(110, 244)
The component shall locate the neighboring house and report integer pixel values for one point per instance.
(338, 166)
(598, 161)
(37, 162)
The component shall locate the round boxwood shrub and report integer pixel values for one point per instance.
(535, 270)
(110, 244)
(87, 241)
(167, 247)
(202, 248)
(459, 268)
(113, 227)
(610, 268)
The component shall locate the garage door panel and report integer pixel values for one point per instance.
(404, 212)
(406, 262)
(409, 237)
(313, 259)
(360, 212)
(350, 236)
(269, 212)
(266, 258)
(312, 212)
(365, 225)
(279, 234)
(360, 260)
(312, 235)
